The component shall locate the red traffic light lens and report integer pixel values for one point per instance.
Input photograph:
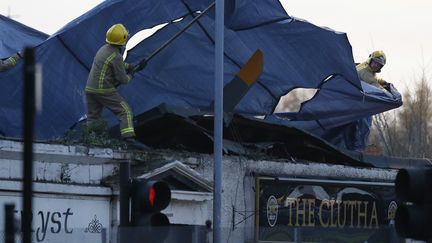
(152, 196)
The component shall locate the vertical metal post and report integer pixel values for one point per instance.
(9, 223)
(28, 110)
(124, 198)
(218, 117)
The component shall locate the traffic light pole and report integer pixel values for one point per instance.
(28, 110)
(124, 198)
(218, 118)
(9, 223)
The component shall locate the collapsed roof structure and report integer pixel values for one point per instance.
(296, 54)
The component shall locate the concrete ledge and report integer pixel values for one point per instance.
(317, 170)
(52, 153)
(57, 189)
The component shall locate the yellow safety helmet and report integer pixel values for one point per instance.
(378, 56)
(117, 35)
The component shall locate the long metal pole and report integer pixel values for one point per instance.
(144, 61)
(28, 110)
(218, 117)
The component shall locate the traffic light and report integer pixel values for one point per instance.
(148, 198)
(414, 217)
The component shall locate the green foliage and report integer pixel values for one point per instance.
(95, 134)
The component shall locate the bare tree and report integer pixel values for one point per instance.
(385, 133)
(405, 132)
(415, 119)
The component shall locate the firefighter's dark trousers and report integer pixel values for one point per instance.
(115, 103)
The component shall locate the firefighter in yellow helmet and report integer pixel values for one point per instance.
(367, 70)
(10, 62)
(107, 72)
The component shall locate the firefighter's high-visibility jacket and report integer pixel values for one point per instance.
(108, 71)
(9, 63)
(366, 74)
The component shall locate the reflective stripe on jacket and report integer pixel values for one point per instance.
(9, 63)
(108, 71)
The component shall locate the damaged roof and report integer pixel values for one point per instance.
(185, 129)
(167, 127)
(296, 54)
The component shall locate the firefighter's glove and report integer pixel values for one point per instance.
(131, 71)
(386, 86)
(140, 66)
(130, 68)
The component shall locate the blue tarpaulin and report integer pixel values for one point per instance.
(284, 44)
(296, 54)
(15, 36)
(340, 113)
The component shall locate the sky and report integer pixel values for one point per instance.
(401, 28)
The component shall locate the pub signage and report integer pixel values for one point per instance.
(289, 208)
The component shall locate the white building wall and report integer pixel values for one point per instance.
(77, 173)
(238, 186)
(69, 202)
